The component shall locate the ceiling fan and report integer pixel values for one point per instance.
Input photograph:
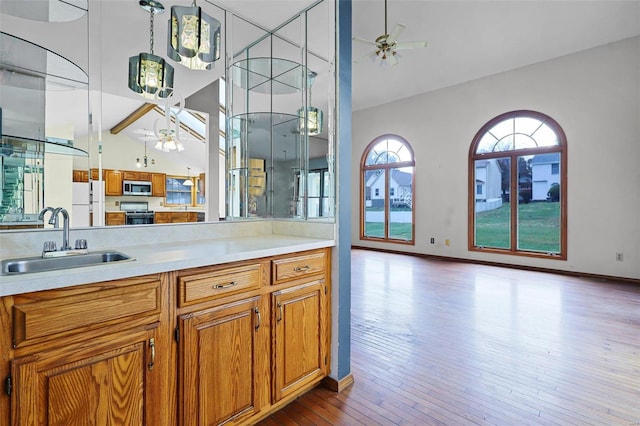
(387, 45)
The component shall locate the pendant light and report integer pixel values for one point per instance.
(145, 161)
(310, 117)
(149, 74)
(188, 181)
(194, 37)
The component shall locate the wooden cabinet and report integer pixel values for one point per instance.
(299, 338)
(112, 182)
(92, 354)
(225, 344)
(175, 217)
(159, 184)
(87, 383)
(179, 217)
(94, 174)
(136, 176)
(223, 363)
(162, 217)
(81, 175)
(115, 218)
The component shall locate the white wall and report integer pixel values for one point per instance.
(594, 95)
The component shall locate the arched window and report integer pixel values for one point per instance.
(387, 191)
(518, 186)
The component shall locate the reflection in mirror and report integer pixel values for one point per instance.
(114, 154)
(36, 84)
(45, 10)
(276, 166)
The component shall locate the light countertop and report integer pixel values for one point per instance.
(157, 258)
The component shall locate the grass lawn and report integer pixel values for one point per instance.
(538, 227)
(397, 230)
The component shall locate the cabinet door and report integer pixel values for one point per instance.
(162, 217)
(81, 176)
(115, 218)
(104, 381)
(158, 184)
(299, 344)
(224, 363)
(136, 176)
(113, 182)
(179, 217)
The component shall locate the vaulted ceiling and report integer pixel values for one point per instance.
(467, 40)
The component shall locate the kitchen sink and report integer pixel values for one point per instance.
(27, 265)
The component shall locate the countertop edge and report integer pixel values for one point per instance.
(154, 259)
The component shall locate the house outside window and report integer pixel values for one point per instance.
(387, 162)
(520, 159)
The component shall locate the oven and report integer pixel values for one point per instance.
(137, 212)
(139, 218)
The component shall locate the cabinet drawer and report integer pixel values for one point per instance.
(295, 267)
(46, 318)
(198, 288)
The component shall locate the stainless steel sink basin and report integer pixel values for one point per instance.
(27, 265)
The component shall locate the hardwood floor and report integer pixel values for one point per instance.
(445, 343)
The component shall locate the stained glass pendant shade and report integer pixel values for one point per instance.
(194, 37)
(149, 74)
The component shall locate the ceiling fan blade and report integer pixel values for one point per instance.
(361, 40)
(395, 33)
(411, 45)
(143, 132)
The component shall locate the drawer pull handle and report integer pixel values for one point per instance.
(280, 311)
(152, 347)
(301, 268)
(257, 311)
(231, 284)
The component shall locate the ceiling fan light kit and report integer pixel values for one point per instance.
(150, 75)
(387, 45)
(194, 37)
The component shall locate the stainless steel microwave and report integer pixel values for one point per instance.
(131, 187)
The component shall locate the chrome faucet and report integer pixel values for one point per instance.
(65, 226)
(44, 211)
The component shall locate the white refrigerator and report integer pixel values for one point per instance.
(80, 205)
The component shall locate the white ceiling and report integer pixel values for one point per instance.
(467, 40)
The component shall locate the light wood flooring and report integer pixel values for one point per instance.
(445, 343)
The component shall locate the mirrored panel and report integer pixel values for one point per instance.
(38, 140)
(122, 140)
(279, 93)
(45, 10)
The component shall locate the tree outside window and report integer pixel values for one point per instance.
(520, 160)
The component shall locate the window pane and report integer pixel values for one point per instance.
(539, 220)
(517, 133)
(401, 204)
(313, 181)
(388, 151)
(492, 208)
(545, 136)
(313, 207)
(177, 193)
(374, 205)
(526, 125)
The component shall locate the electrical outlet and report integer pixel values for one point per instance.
(432, 240)
(446, 243)
(619, 257)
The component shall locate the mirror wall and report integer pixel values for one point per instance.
(124, 127)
